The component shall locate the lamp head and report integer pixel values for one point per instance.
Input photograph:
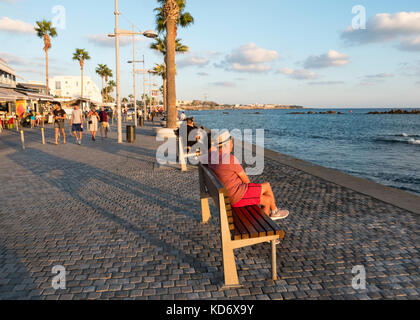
(150, 34)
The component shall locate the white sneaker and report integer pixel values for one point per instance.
(279, 214)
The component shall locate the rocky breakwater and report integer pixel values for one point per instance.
(396, 111)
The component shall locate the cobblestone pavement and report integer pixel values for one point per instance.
(124, 229)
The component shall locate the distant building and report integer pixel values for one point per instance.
(7, 75)
(20, 97)
(69, 87)
(36, 97)
(181, 103)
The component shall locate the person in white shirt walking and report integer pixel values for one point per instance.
(76, 123)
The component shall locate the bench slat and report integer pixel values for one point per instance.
(267, 219)
(253, 233)
(254, 212)
(261, 231)
(239, 228)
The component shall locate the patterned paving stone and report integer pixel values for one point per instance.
(124, 229)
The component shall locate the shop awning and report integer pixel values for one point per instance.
(37, 96)
(8, 94)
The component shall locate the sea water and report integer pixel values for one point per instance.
(382, 148)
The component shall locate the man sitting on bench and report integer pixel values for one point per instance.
(241, 191)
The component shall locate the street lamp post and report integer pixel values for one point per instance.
(117, 34)
(117, 66)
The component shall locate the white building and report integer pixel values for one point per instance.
(69, 87)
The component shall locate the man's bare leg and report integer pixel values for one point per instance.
(268, 192)
(56, 135)
(64, 136)
(268, 197)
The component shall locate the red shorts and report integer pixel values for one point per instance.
(251, 197)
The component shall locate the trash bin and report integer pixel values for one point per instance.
(131, 134)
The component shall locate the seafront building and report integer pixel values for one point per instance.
(69, 87)
(20, 97)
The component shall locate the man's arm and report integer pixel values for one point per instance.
(242, 175)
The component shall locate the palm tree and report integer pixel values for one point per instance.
(111, 86)
(81, 55)
(160, 45)
(45, 31)
(160, 70)
(108, 74)
(100, 70)
(169, 16)
(185, 19)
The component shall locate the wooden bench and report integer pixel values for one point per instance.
(239, 227)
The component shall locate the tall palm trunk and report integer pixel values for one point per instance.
(46, 73)
(47, 45)
(171, 11)
(106, 89)
(82, 85)
(102, 91)
(165, 100)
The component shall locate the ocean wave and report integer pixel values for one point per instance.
(396, 140)
(413, 141)
(406, 135)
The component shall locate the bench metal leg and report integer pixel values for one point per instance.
(205, 210)
(229, 267)
(274, 259)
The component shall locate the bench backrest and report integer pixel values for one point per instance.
(211, 185)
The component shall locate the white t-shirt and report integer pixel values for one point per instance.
(76, 116)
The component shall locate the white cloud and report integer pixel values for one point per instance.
(325, 83)
(373, 79)
(385, 27)
(412, 44)
(9, 1)
(330, 59)
(379, 76)
(203, 74)
(192, 61)
(257, 67)
(227, 84)
(13, 59)
(102, 40)
(301, 74)
(249, 58)
(16, 26)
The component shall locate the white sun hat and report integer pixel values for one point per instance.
(222, 138)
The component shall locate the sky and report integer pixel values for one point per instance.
(316, 54)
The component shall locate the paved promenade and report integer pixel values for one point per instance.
(125, 229)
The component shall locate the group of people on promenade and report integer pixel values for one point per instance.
(94, 119)
(31, 119)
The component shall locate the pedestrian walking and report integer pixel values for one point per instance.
(76, 123)
(59, 118)
(104, 122)
(93, 119)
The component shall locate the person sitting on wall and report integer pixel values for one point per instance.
(190, 127)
